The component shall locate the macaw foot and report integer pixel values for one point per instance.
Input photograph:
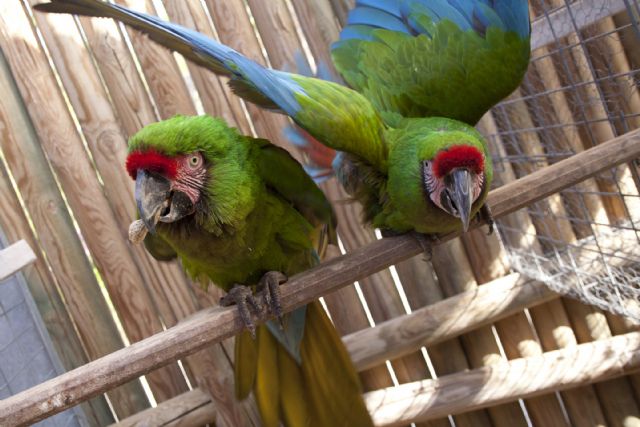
(427, 242)
(386, 232)
(484, 215)
(269, 285)
(243, 297)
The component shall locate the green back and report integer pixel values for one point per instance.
(448, 73)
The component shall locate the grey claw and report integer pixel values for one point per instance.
(270, 286)
(243, 298)
(426, 242)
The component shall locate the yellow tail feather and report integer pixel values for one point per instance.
(322, 391)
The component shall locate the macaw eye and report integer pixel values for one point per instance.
(195, 160)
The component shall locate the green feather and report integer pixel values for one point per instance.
(451, 73)
(260, 212)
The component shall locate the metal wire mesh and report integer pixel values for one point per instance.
(581, 90)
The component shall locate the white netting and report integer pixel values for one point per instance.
(581, 90)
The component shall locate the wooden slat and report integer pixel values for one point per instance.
(215, 324)
(427, 326)
(232, 23)
(212, 368)
(42, 287)
(15, 257)
(105, 225)
(180, 407)
(507, 381)
(47, 209)
(589, 323)
(434, 324)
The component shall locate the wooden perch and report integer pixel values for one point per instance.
(15, 257)
(215, 324)
(444, 320)
(394, 338)
(507, 381)
(461, 392)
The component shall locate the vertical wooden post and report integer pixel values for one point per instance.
(43, 289)
(119, 262)
(211, 368)
(37, 184)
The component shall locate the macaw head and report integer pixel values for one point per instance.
(439, 173)
(184, 167)
(453, 179)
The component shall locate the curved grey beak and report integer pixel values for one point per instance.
(152, 197)
(458, 195)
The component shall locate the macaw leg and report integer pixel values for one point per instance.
(269, 284)
(427, 241)
(243, 297)
(484, 215)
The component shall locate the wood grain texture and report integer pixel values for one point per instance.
(121, 264)
(433, 324)
(42, 286)
(215, 324)
(506, 381)
(34, 178)
(15, 257)
(172, 293)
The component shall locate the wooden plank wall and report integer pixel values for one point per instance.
(73, 90)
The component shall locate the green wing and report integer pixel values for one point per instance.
(336, 115)
(284, 175)
(420, 58)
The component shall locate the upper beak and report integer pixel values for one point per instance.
(152, 197)
(458, 186)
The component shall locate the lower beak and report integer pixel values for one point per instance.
(458, 185)
(152, 197)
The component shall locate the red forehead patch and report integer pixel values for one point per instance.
(458, 156)
(153, 161)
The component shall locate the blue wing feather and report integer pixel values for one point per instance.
(390, 6)
(375, 18)
(403, 16)
(257, 82)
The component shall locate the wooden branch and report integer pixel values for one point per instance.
(402, 335)
(491, 385)
(444, 320)
(14, 258)
(178, 408)
(215, 324)
(504, 382)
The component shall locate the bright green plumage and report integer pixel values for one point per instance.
(448, 73)
(260, 213)
(406, 61)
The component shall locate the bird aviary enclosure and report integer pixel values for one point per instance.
(472, 337)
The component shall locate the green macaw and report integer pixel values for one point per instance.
(238, 210)
(423, 72)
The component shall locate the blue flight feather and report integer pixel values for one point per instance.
(389, 6)
(375, 18)
(275, 85)
(403, 15)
